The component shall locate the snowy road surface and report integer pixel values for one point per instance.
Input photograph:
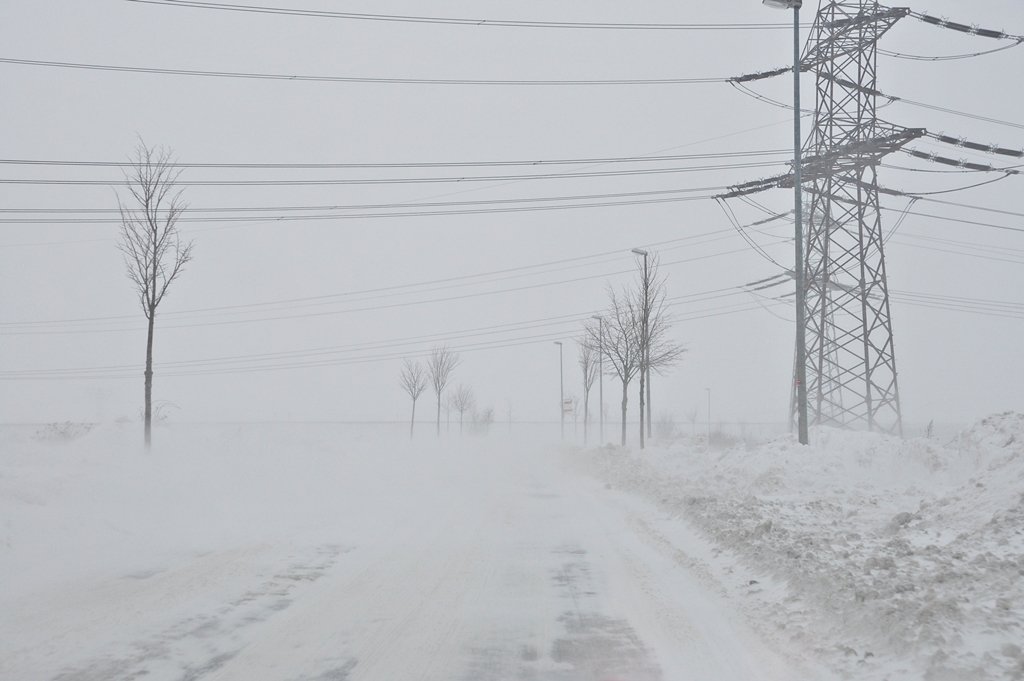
(472, 563)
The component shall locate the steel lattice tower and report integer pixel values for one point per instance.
(851, 362)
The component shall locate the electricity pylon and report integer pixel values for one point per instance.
(850, 356)
(851, 360)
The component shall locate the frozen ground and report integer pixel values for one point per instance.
(890, 559)
(285, 554)
(304, 553)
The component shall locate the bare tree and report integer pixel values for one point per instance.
(621, 343)
(574, 400)
(440, 365)
(657, 350)
(664, 353)
(153, 250)
(482, 419)
(588, 361)
(414, 382)
(462, 401)
(691, 416)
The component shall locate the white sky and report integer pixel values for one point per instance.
(953, 365)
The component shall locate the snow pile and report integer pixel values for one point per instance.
(895, 558)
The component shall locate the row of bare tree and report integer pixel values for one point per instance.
(632, 334)
(437, 373)
(632, 337)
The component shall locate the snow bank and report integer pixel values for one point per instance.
(897, 558)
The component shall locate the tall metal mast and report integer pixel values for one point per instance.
(851, 360)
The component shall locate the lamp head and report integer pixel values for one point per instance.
(639, 251)
(783, 4)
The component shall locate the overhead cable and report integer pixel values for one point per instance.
(354, 79)
(287, 213)
(977, 146)
(407, 164)
(966, 28)
(402, 180)
(460, 21)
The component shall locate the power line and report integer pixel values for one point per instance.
(404, 180)
(959, 251)
(340, 207)
(458, 21)
(966, 28)
(946, 218)
(977, 146)
(738, 83)
(961, 28)
(944, 57)
(959, 163)
(468, 211)
(986, 307)
(396, 289)
(1000, 249)
(954, 112)
(444, 337)
(246, 75)
(199, 367)
(465, 296)
(408, 164)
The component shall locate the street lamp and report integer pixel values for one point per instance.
(561, 388)
(600, 369)
(645, 368)
(709, 417)
(801, 348)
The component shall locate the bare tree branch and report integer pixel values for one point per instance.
(414, 379)
(588, 362)
(440, 365)
(414, 382)
(153, 252)
(462, 401)
(622, 343)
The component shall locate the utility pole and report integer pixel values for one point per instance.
(645, 351)
(561, 389)
(709, 416)
(600, 370)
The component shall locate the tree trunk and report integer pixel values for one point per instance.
(625, 401)
(148, 412)
(439, 414)
(412, 421)
(586, 415)
(460, 424)
(642, 423)
(648, 401)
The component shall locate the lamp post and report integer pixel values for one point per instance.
(801, 348)
(709, 417)
(600, 370)
(561, 389)
(645, 360)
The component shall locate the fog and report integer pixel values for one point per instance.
(365, 189)
(276, 289)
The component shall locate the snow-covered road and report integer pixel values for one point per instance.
(471, 563)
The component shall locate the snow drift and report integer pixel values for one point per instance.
(894, 558)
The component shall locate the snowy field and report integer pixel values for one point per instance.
(319, 553)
